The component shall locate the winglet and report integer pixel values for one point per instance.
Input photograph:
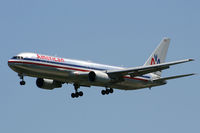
(190, 59)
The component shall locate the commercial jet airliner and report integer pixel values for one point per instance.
(52, 72)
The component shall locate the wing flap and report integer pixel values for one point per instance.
(142, 72)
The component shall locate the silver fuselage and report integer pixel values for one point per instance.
(68, 71)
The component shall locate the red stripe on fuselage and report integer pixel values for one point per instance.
(68, 68)
(135, 78)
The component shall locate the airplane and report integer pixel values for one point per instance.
(52, 72)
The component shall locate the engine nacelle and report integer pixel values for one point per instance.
(48, 84)
(97, 76)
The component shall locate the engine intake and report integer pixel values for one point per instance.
(98, 76)
(48, 84)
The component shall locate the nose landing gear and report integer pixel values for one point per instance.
(22, 82)
(22, 78)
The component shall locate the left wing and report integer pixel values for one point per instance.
(173, 77)
(141, 70)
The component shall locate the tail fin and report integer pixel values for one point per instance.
(159, 55)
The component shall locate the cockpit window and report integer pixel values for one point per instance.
(17, 57)
(14, 57)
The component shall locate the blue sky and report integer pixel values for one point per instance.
(115, 32)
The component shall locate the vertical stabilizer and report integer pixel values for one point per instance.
(159, 55)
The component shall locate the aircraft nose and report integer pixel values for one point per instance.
(10, 64)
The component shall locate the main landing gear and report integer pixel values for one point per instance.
(76, 94)
(107, 91)
(22, 78)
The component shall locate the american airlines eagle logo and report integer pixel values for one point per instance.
(155, 60)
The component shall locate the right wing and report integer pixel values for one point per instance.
(141, 70)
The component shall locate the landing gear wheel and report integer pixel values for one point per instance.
(107, 91)
(73, 95)
(76, 95)
(111, 90)
(103, 92)
(80, 93)
(22, 82)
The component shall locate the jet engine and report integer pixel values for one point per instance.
(98, 76)
(48, 84)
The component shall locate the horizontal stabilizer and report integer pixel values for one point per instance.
(174, 77)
